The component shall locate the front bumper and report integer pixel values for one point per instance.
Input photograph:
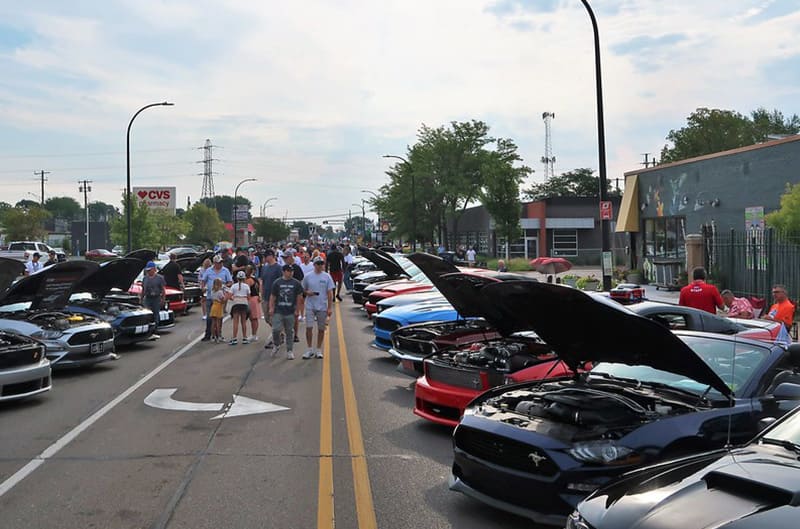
(441, 403)
(25, 381)
(408, 364)
(81, 352)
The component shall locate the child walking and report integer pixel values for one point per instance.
(217, 306)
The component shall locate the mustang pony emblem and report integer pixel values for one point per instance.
(536, 458)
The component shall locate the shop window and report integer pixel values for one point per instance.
(565, 243)
(665, 237)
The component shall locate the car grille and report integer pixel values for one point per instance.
(504, 452)
(20, 388)
(86, 337)
(22, 356)
(453, 376)
(386, 324)
(142, 319)
(437, 410)
(413, 346)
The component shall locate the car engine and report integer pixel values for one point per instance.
(500, 355)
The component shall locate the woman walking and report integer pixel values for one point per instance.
(240, 291)
(253, 301)
(206, 265)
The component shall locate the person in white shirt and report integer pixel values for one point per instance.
(33, 265)
(471, 257)
(348, 265)
(240, 292)
(318, 287)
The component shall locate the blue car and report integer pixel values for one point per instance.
(536, 449)
(394, 318)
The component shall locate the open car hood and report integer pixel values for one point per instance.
(119, 273)
(385, 263)
(143, 255)
(582, 328)
(191, 264)
(10, 269)
(51, 287)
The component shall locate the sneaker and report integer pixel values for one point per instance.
(254, 338)
(296, 339)
(275, 350)
(206, 339)
(308, 354)
(339, 297)
(204, 318)
(234, 341)
(319, 353)
(245, 340)
(290, 355)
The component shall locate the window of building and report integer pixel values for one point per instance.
(565, 243)
(664, 237)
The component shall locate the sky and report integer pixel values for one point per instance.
(306, 97)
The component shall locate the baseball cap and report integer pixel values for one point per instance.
(286, 267)
(240, 275)
(217, 259)
(319, 260)
(36, 254)
(149, 265)
(269, 252)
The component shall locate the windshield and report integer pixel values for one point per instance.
(718, 354)
(789, 430)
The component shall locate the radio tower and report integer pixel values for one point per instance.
(548, 159)
(208, 173)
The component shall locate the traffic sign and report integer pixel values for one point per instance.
(606, 211)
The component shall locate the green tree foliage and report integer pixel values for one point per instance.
(271, 229)
(450, 170)
(64, 208)
(500, 194)
(143, 228)
(713, 130)
(787, 218)
(206, 227)
(579, 182)
(302, 228)
(25, 203)
(5, 205)
(354, 224)
(102, 212)
(170, 229)
(24, 224)
(224, 205)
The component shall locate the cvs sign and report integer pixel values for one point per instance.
(160, 198)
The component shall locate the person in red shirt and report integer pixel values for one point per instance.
(701, 295)
(783, 309)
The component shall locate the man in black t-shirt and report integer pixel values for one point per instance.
(334, 265)
(240, 262)
(284, 306)
(172, 273)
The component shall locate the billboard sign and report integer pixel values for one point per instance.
(156, 198)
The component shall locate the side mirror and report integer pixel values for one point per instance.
(787, 391)
(765, 422)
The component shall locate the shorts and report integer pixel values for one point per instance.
(255, 307)
(318, 316)
(236, 309)
(337, 276)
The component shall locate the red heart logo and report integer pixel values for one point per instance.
(142, 194)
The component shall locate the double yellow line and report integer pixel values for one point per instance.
(365, 510)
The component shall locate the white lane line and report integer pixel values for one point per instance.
(56, 447)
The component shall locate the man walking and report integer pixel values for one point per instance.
(270, 272)
(34, 265)
(51, 258)
(172, 273)
(284, 307)
(318, 287)
(335, 267)
(701, 295)
(154, 293)
(207, 277)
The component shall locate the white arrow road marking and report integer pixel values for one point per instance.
(162, 399)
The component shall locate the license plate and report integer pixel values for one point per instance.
(140, 329)
(408, 365)
(163, 315)
(96, 348)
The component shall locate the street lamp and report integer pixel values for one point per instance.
(363, 218)
(235, 211)
(601, 147)
(413, 201)
(377, 213)
(128, 157)
(264, 207)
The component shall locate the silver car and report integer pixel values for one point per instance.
(35, 306)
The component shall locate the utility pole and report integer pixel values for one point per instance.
(41, 174)
(208, 173)
(85, 188)
(548, 159)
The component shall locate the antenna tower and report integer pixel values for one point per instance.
(548, 159)
(208, 173)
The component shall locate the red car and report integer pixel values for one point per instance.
(100, 254)
(396, 288)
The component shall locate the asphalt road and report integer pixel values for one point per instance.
(347, 453)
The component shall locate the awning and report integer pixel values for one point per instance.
(628, 219)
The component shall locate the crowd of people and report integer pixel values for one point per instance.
(283, 285)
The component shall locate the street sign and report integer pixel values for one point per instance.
(162, 399)
(606, 211)
(161, 198)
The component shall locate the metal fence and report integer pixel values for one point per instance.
(750, 262)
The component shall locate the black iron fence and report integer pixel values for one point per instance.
(750, 262)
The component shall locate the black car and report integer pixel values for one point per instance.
(538, 448)
(752, 487)
(389, 268)
(131, 322)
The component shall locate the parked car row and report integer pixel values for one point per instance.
(558, 396)
(71, 314)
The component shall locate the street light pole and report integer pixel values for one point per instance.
(413, 201)
(264, 206)
(377, 213)
(601, 147)
(363, 218)
(128, 164)
(234, 210)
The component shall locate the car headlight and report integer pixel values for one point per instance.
(603, 453)
(48, 334)
(576, 521)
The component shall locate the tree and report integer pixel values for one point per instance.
(787, 218)
(63, 208)
(500, 194)
(206, 227)
(143, 228)
(102, 212)
(302, 228)
(713, 130)
(169, 228)
(24, 224)
(355, 224)
(25, 203)
(224, 205)
(576, 183)
(271, 229)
